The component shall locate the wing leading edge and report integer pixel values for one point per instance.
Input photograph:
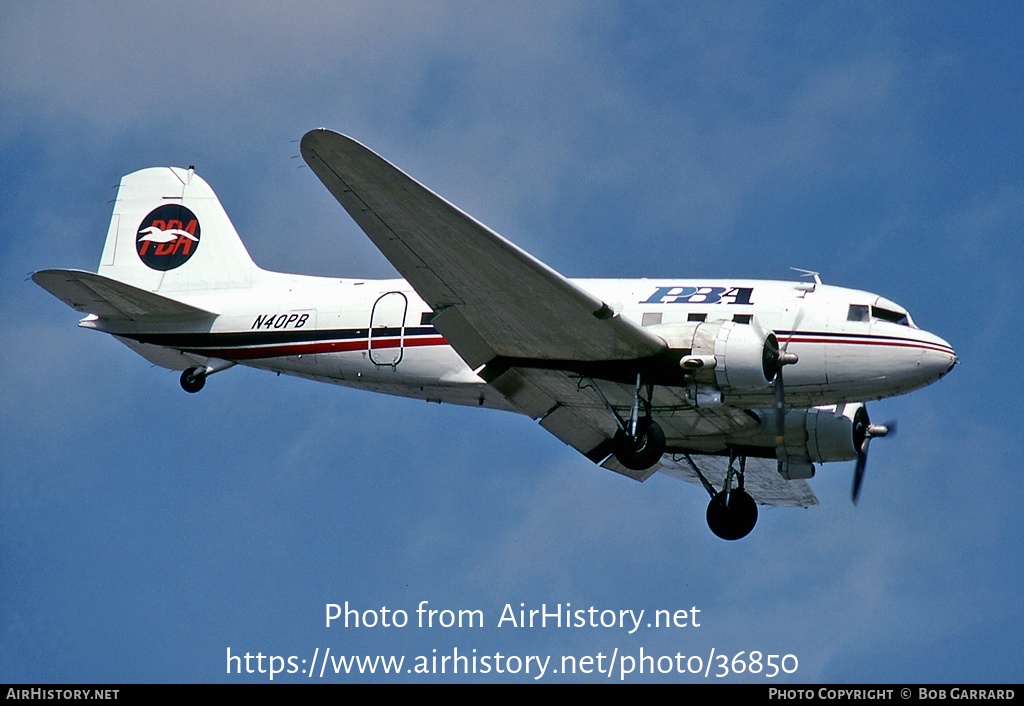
(493, 300)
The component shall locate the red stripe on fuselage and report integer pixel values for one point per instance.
(315, 347)
(869, 342)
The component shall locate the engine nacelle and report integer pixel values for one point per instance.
(820, 435)
(744, 357)
(817, 435)
(832, 432)
(736, 358)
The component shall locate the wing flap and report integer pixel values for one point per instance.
(472, 346)
(612, 464)
(508, 302)
(519, 389)
(761, 479)
(109, 299)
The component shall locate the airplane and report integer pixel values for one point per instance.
(740, 386)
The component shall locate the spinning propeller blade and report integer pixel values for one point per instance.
(867, 431)
(779, 359)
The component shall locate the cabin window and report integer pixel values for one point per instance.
(858, 312)
(896, 317)
(426, 317)
(743, 318)
(651, 318)
(697, 317)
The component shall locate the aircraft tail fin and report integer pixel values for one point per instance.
(169, 233)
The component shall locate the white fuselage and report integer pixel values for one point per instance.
(377, 335)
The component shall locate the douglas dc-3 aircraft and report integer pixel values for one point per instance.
(738, 385)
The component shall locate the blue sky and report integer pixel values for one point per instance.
(144, 531)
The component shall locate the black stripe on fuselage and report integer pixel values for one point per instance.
(240, 339)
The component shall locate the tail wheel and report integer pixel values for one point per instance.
(732, 515)
(193, 380)
(640, 452)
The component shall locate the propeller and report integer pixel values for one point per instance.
(775, 359)
(863, 432)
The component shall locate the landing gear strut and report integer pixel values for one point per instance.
(641, 450)
(193, 379)
(732, 513)
(640, 441)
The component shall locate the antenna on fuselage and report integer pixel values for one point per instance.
(809, 273)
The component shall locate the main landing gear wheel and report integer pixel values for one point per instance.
(193, 379)
(640, 452)
(732, 515)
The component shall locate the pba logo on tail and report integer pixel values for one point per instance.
(167, 237)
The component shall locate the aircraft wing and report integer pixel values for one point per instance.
(537, 335)
(491, 298)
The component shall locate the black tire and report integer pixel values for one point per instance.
(645, 450)
(192, 380)
(735, 520)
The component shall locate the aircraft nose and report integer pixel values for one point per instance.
(938, 357)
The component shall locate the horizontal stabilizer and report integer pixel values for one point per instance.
(109, 299)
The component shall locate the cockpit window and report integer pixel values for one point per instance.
(896, 317)
(858, 312)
